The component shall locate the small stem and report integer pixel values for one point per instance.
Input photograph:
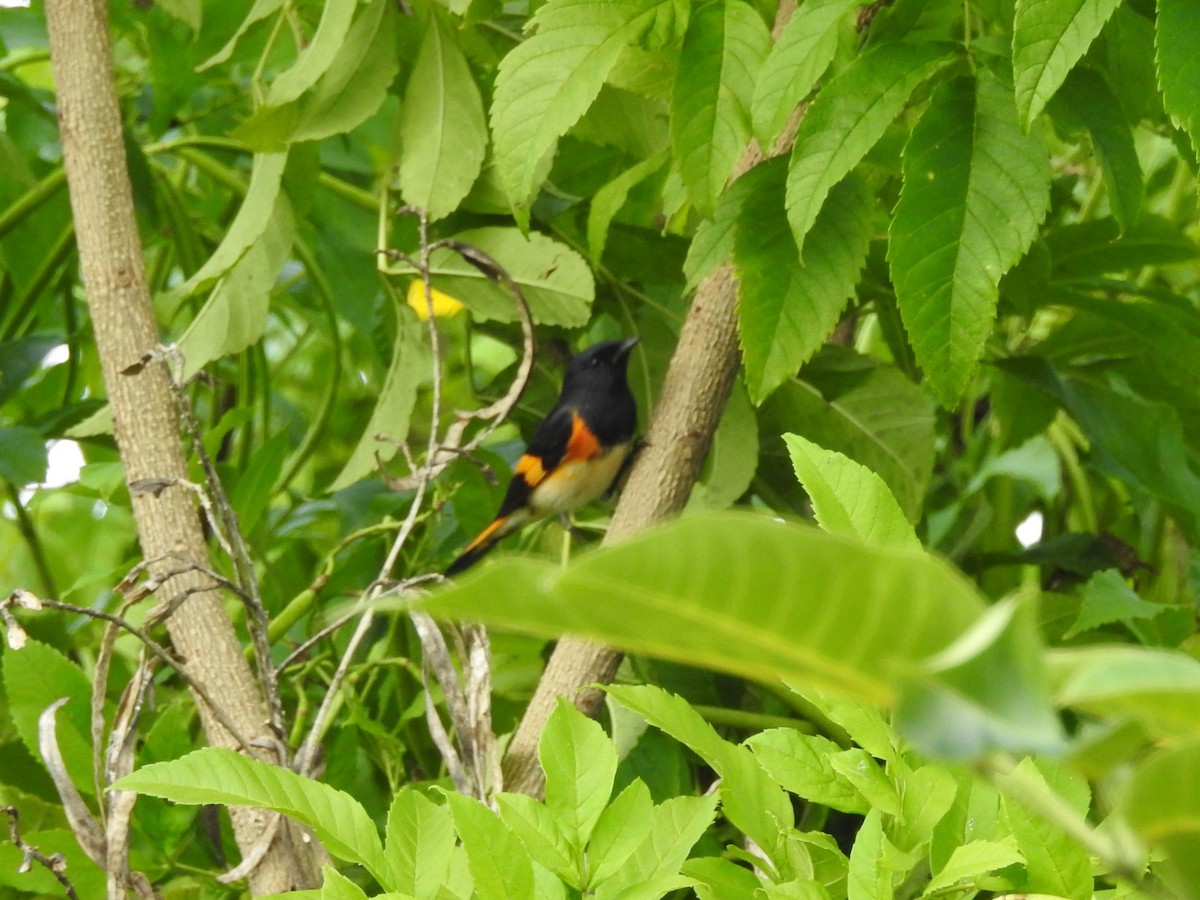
(29, 534)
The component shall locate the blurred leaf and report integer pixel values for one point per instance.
(1048, 40)
(723, 49)
(1108, 598)
(1098, 247)
(259, 11)
(607, 202)
(317, 56)
(975, 190)
(23, 456)
(1161, 801)
(732, 459)
(20, 358)
(251, 496)
(442, 129)
(1176, 37)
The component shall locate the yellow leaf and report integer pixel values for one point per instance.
(443, 304)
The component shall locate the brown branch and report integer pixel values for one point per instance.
(694, 394)
(56, 863)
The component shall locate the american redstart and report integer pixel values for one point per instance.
(576, 453)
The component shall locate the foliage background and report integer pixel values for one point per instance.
(967, 294)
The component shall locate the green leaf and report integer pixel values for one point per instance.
(720, 879)
(217, 775)
(786, 310)
(848, 117)
(1177, 41)
(804, 49)
(37, 676)
(607, 202)
(677, 824)
(357, 81)
(1108, 598)
(870, 876)
(259, 11)
(725, 44)
(1099, 247)
(23, 455)
(1160, 688)
(696, 591)
(1085, 98)
(317, 56)
(620, 830)
(556, 280)
(336, 886)
(259, 212)
(732, 459)
(972, 860)
(848, 498)
(393, 409)
(1048, 39)
(926, 796)
(860, 769)
(21, 358)
(803, 764)
(1162, 801)
(250, 496)
(989, 691)
(1055, 863)
(498, 861)
(538, 829)
(548, 81)
(975, 190)
(580, 764)
(443, 132)
(420, 844)
(712, 243)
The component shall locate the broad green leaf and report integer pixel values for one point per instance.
(926, 796)
(827, 609)
(336, 886)
(1160, 688)
(861, 408)
(802, 52)
(732, 460)
(548, 81)
(720, 879)
(712, 243)
(870, 875)
(538, 829)
(797, 889)
(848, 498)
(555, 279)
(621, 829)
(442, 130)
(498, 861)
(259, 11)
(751, 801)
(970, 861)
(975, 190)
(1177, 41)
(1085, 98)
(1055, 863)
(580, 764)
(786, 309)
(420, 844)
(23, 455)
(1108, 598)
(37, 676)
(607, 202)
(390, 418)
(860, 769)
(1162, 803)
(357, 81)
(1098, 247)
(254, 219)
(677, 824)
(989, 691)
(316, 57)
(848, 117)
(1128, 55)
(1048, 40)
(802, 764)
(725, 44)
(217, 775)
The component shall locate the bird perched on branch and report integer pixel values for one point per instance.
(576, 453)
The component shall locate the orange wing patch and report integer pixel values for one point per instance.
(529, 468)
(583, 443)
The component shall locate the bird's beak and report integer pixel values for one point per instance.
(626, 346)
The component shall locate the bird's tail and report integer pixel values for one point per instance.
(485, 541)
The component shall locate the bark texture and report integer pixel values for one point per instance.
(145, 420)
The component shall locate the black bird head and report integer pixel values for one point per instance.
(599, 370)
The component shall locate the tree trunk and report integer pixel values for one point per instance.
(145, 419)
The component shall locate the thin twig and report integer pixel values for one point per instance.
(56, 863)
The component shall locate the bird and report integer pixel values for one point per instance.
(577, 452)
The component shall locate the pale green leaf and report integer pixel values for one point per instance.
(870, 876)
(725, 44)
(498, 861)
(802, 764)
(849, 498)
(1177, 41)
(1162, 803)
(259, 11)
(720, 879)
(235, 314)
(390, 418)
(801, 53)
(859, 768)
(190, 12)
(317, 56)
(678, 823)
(975, 190)
(786, 309)
(1108, 598)
(971, 861)
(580, 764)
(827, 609)
(1048, 40)
(607, 202)
(621, 829)
(336, 886)
(712, 243)
(253, 219)
(443, 132)
(556, 280)
(538, 829)
(849, 115)
(926, 796)
(217, 775)
(420, 844)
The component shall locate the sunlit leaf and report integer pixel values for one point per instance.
(1162, 803)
